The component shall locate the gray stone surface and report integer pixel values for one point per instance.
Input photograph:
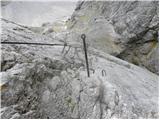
(49, 82)
(120, 28)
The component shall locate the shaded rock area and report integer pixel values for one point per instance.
(51, 81)
(126, 29)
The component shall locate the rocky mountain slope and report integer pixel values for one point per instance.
(35, 13)
(128, 30)
(51, 81)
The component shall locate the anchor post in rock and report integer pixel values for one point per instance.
(83, 36)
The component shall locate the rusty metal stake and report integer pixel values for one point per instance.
(83, 36)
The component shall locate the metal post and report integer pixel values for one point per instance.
(83, 36)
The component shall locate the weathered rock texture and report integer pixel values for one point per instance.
(126, 29)
(51, 82)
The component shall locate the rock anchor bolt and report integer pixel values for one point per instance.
(83, 36)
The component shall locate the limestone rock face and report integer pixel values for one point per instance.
(51, 81)
(126, 29)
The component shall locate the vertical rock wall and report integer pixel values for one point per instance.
(126, 29)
